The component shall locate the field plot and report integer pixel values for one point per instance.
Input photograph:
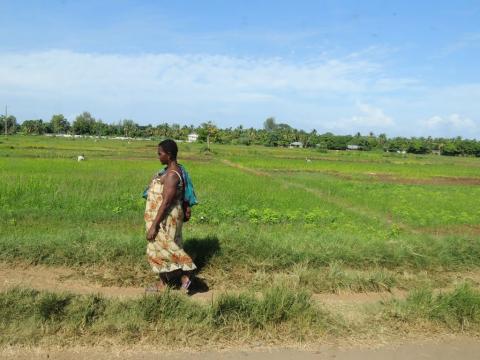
(275, 230)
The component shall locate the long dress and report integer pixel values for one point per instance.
(165, 253)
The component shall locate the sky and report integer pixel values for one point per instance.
(404, 68)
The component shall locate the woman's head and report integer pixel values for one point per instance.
(167, 150)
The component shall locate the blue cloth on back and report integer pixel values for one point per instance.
(189, 196)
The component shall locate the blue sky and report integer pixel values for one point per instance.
(399, 67)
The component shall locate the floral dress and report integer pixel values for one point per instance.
(165, 253)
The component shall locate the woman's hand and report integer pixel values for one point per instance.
(188, 213)
(152, 232)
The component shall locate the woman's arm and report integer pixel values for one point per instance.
(169, 191)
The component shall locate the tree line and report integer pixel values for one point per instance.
(272, 134)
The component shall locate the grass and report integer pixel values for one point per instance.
(458, 309)
(29, 317)
(442, 205)
(280, 315)
(57, 211)
(267, 221)
(357, 163)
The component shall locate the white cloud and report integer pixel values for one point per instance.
(452, 125)
(368, 118)
(153, 88)
(147, 85)
(371, 116)
(454, 120)
(395, 84)
(202, 76)
(467, 41)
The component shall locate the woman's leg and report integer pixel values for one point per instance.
(186, 279)
(159, 285)
(162, 281)
(166, 278)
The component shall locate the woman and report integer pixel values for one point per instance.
(164, 216)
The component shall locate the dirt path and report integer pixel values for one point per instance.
(441, 349)
(60, 279)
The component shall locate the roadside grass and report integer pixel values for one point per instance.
(459, 309)
(332, 279)
(279, 315)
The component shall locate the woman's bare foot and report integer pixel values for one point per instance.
(159, 286)
(185, 279)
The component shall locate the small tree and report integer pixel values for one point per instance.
(450, 149)
(30, 127)
(11, 124)
(162, 130)
(208, 132)
(130, 128)
(99, 128)
(382, 139)
(418, 146)
(270, 124)
(84, 124)
(59, 124)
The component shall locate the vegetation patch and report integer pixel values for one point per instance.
(32, 317)
(324, 222)
(458, 309)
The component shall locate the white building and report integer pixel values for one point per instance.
(192, 137)
(296, 144)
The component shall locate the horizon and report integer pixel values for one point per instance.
(370, 134)
(400, 69)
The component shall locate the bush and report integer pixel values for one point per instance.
(52, 306)
(457, 309)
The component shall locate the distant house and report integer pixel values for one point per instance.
(354, 147)
(296, 144)
(436, 152)
(192, 137)
(122, 138)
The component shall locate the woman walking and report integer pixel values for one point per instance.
(164, 216)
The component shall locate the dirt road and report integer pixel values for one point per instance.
(60, 279)
(441, 349)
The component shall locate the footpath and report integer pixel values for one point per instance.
(440, 349)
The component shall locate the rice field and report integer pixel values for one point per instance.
(320, 222)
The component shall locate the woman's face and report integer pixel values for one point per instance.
(163, 156)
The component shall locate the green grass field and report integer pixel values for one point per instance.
(342, 221)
